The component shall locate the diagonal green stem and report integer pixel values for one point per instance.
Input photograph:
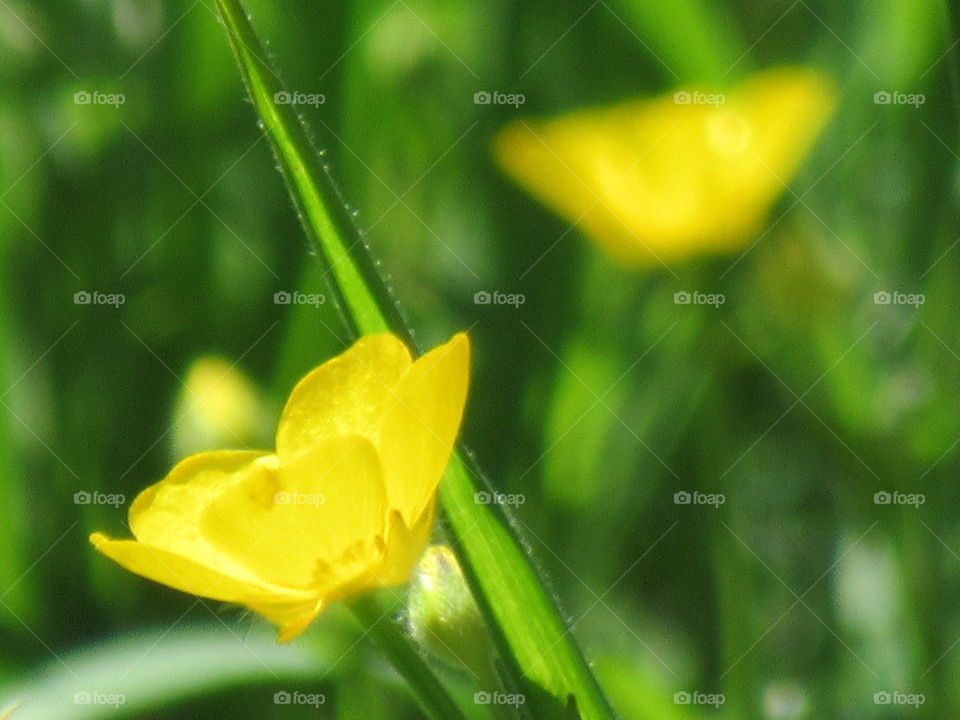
(537, 651)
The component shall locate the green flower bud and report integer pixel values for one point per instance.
(443, 616)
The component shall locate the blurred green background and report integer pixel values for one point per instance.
(598, 399)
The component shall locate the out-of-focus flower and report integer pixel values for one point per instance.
(673, 177)
(219, 407)
(345, 504)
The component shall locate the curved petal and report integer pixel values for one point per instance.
(281, 524)
(421, 426)
(404, 546)
(345, 396)
(292, 618)
(167, 515)
(186, 575)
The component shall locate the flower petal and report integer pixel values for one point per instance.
(421, 426)
(281, 524)
(292, 617)
(405, 545)
(345, 396)
(184, 574)
(167, 515)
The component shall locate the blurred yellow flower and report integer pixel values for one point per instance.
(673, 177)
(219, 407)
(345, 504)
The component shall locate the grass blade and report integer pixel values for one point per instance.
(539, 656)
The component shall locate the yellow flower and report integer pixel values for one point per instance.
(219, 407)
(668, 178)
(345, 504)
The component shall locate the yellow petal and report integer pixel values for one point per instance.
(167, 515)
(382, 562)
(657, 180)
(405, 545)
(345, 396)
(184, 574)
(314, 508)
(421, 425)
(292, 618)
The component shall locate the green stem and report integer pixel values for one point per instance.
(536, 648)
(378, 622)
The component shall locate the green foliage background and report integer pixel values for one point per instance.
(597, 399)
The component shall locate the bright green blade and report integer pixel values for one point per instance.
(538, 653)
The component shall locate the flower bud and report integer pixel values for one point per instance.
(443, 616)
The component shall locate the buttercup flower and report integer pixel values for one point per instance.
(672, 177)
(345, 504)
